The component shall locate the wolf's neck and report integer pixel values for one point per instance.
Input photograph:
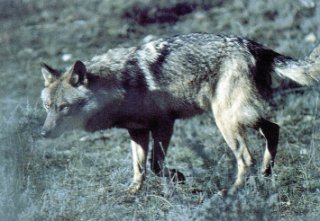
(111, 63)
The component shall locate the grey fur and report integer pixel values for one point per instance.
(145, 89)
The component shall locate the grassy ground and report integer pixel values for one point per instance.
(81, 176)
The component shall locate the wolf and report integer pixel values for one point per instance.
(144, 89)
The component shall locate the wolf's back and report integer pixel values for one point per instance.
(216, 47)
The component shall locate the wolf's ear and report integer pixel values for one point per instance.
(49, 74)
(315, 54)
(78, 74)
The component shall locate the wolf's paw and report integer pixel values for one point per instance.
(267, 172)
(134, 188)
(176, 176)
(227, 192)
(223, 193)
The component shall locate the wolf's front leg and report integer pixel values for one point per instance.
(139, 145)
(161, 136)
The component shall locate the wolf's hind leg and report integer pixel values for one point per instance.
(270, 131)
(139, 145)
(161, 136)
(235, 135)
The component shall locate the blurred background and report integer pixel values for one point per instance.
(82, 176)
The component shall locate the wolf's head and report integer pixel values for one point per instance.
(66, 99)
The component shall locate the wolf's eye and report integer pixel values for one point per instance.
(46, 106)
(64, 108)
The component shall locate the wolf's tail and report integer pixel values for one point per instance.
(304, 72)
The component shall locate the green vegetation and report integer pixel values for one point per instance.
(81, 176)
